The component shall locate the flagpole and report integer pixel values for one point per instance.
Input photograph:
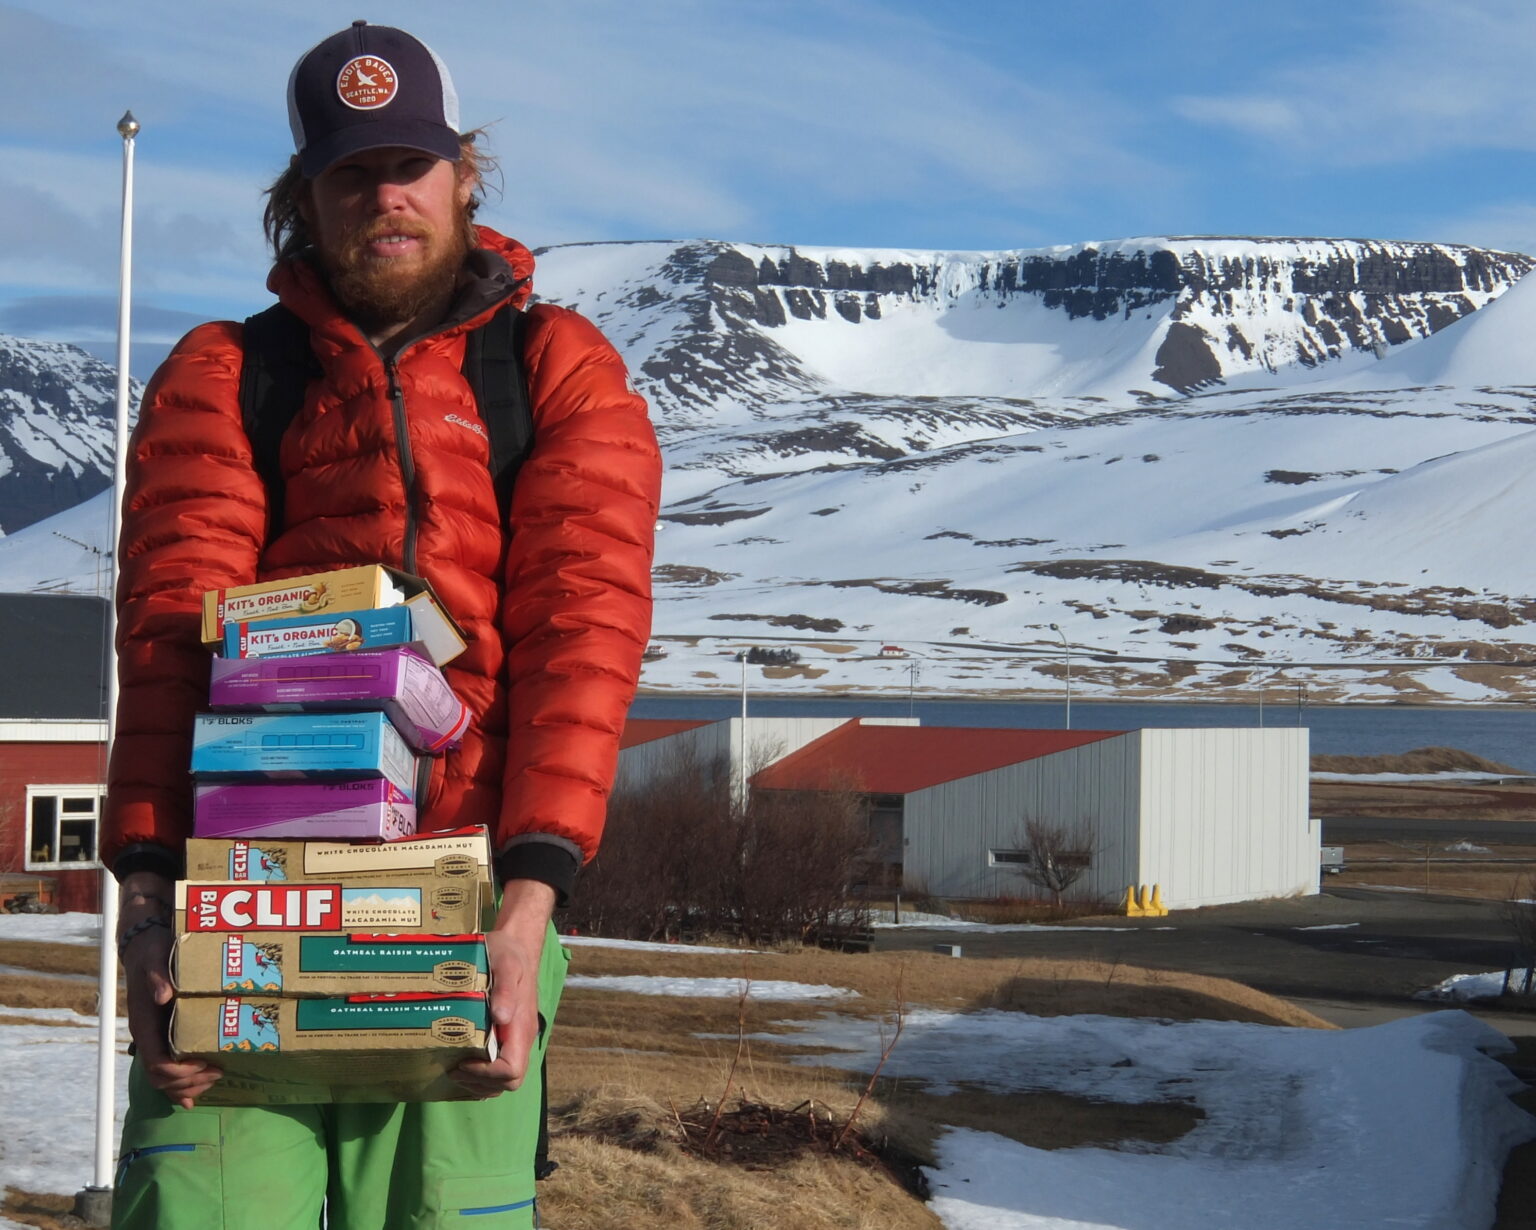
(99, 1193)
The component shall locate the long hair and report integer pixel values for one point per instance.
(284, 223)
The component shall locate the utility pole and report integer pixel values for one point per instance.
(1067, 650)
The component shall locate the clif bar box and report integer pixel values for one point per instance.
(443, 866)
(360, 1048)
(226, 906)
(398, 681)
(370, 809)
(364, 588)
(301, 747)
(287, 963)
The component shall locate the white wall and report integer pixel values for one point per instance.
(1224, 815)
(768, 739)
(952, 827)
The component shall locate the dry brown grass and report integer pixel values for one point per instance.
(40, 1209)
(1420, 760)
(626, 1069)
(48, 958)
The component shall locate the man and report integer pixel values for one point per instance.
(387, 462)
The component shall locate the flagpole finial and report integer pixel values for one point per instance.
(127, 126)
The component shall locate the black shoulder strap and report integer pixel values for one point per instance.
(276, 369)
(494, 369)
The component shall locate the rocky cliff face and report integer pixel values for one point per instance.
(56, 429)
(1203, 310)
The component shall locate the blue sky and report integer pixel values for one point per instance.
(863, 123)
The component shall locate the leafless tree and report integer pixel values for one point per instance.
(1520, 916)
(1055, 854)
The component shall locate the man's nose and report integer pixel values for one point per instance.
(388, 194)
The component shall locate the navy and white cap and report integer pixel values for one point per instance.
(369, 87)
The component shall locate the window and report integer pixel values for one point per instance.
(61, 826)
(1009, 858)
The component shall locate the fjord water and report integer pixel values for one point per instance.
(1506, 734)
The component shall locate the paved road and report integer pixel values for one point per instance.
(1341, 829)
(1376, 950)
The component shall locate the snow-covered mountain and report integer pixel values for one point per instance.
(56, 408)
(1211, 462)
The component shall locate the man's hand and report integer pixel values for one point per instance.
(514, 947)
(146, 969)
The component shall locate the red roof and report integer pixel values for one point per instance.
(901, 759)
(648, 730)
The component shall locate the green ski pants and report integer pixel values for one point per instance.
(344, 1166)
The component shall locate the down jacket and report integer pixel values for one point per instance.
(388, 463)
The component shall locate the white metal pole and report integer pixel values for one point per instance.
(741, 749)
(106, 1055)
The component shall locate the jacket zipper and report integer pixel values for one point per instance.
(407, 466)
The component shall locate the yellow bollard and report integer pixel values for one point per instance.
(1144, 902)
(1157, 909)
(1131, 908)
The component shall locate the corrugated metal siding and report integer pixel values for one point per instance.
(951, 828)
(1224, 815)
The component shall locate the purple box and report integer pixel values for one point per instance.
(373, 809)
(397, 681)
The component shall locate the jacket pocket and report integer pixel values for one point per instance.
(501, 1203)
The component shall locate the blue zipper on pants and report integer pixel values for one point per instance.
(128, 1159)
(496, 1208)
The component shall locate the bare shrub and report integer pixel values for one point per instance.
(1520, 917)
(1053, 855)
(681, 856)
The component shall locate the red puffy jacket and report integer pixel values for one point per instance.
(556, 630)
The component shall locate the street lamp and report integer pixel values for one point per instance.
(741, 749)
(912, 688)
(1067, 649)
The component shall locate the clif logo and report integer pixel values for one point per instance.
(366, 83)
(264, 907)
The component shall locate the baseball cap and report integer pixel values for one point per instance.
(369, 87)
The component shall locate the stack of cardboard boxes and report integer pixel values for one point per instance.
(324, 951)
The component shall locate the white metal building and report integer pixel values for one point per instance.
(1211, 816)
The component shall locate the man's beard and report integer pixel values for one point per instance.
(380, 293)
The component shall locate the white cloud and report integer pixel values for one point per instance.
(1428, 77)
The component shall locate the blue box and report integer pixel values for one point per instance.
(301, 747)
(329, 632)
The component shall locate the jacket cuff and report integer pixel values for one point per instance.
(146, 856)
(547, 860)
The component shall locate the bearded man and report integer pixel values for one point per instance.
(386, 462)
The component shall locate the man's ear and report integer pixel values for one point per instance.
(469, 180)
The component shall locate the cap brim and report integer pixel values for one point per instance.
(422, 135)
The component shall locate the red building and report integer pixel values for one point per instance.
(52, 747)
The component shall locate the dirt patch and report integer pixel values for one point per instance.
(801, 623)
(688, 574)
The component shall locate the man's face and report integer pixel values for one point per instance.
(391, 230)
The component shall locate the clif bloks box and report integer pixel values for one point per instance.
(359, 1048)
(371, 809)
(397, 681)
(301, 747)
(327, 964)
(364, 588)
(225, 906)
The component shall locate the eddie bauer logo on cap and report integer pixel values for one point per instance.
(366, 83)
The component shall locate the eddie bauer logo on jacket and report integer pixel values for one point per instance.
(463, 422)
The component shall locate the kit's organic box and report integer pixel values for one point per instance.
(434, 882)
(327, 964)
(398, 681)
(358, 1048)
(301, 747)
(418, 622)
(371, 808)
(364, 588)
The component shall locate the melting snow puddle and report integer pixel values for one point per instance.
(706, 988)
(1404, 1124)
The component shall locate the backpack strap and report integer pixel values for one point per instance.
(277, 368)
(494, 369)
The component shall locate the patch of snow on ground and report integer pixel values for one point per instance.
(1461, 987)
(706, 988)
(82, 929)
(1467, 847)
(593, 941)
(1449, 776)
(1327, 927)
(1404, 1124)
(50, 1099)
